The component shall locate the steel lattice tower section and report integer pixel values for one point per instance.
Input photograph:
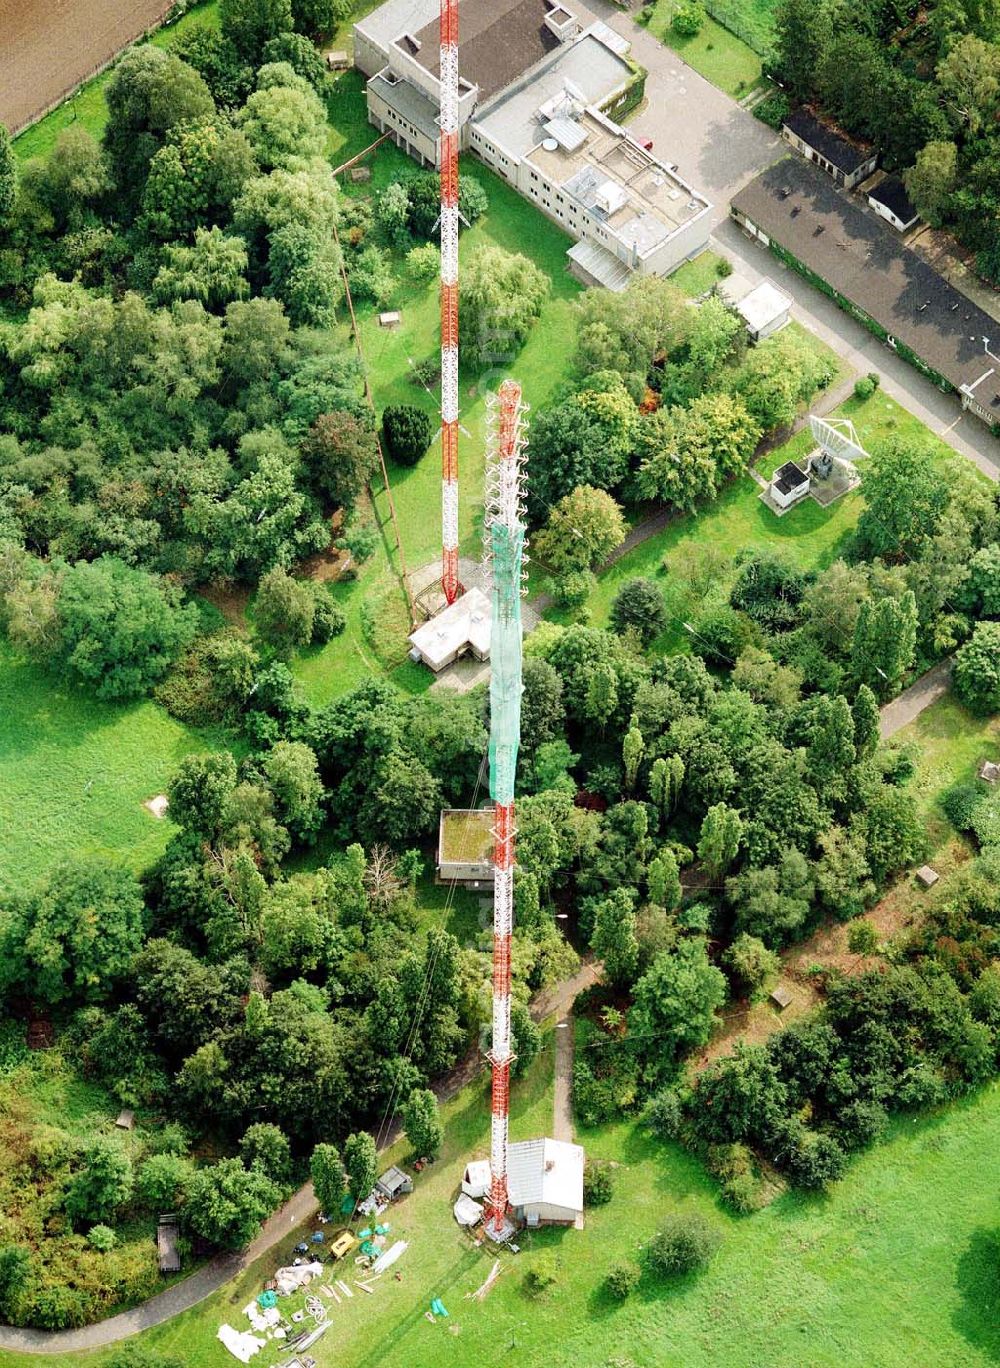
(449, 299)
(504, 534)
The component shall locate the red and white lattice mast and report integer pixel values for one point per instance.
(449, 299)
(504, 534)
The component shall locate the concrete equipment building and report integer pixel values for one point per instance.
(537, 103)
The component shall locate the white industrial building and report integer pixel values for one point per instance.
(537, 104)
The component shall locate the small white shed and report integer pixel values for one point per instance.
(789, 484)
(764, 310)
(476, 1179)
(545, 1181)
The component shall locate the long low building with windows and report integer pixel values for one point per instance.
(538, 101)
(796, 211)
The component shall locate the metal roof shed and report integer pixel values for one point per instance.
(394, 1183)
(545, 1181)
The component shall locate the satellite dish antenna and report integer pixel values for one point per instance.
(838, 441)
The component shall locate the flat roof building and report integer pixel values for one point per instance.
(764, 309)
(796, 211)
(847, 160)
(537, 97)
(460, 629)
(465, 845)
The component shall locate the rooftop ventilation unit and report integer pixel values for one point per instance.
(610, 197)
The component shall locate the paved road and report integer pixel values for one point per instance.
(912, 701)
(938, 411)
(556, 1000)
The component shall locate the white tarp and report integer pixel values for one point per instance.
(476, 1182)
(241, 1344)
(467, 1212)
(390, 1256)
(288, 1280)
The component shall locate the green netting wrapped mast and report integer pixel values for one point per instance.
(504, 535)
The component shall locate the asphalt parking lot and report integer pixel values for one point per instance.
(716, 145)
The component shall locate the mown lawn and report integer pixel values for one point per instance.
(75, 772)
(697, 276)
(894, 1267)
(714, 52)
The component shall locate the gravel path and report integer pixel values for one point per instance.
(218, 1271)
(912, 701)
(562, 1104)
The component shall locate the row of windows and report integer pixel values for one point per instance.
(407, 128)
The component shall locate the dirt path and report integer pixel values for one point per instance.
(912, 701)
(562, 1104)
(218, 1271)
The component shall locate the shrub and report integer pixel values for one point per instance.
(102, 1238)
(573, 590)
(423, 263)
(752, 965)
(541, 1275)
(863, 388)
(723, 268)
(639, 604)
(986, 822)
(328, 620)
(688, 19)
(861, 1123)
(742, 1194)
(813, 1159)
(773, 109)
(622, 1280)
(684, 1244)
(663, 1115)
(408, 432)
(162, 1180)
(598, 1184)
(862, 937)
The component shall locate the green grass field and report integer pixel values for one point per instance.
(951, 743)
(714, 52)
(75, 772)
(894, 1267)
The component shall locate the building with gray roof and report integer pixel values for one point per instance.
(536, 104)
(797, 212)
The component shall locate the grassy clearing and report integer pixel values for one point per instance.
(86, 105)
(951, 742)
(75, 772)
(371, 603)
(750, 20)
(893, 1267)
(714, 52)
(697, 276)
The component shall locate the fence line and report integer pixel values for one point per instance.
(756, 36)
(80, 81)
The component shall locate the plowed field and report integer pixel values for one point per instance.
(48, 46)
